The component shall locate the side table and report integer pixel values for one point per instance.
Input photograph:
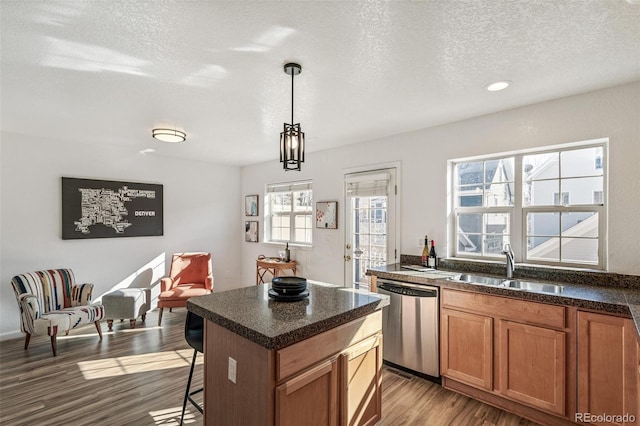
(273, 266)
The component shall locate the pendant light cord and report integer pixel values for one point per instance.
(292, 74)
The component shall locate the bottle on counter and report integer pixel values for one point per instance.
(287, 256)
(433, 258)
(425, 251)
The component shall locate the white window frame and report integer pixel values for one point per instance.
(518, 212)
(283, 188)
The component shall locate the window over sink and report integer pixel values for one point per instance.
(549, 204)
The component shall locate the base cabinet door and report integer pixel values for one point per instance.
(310, 398)
(467, 348)
(361, 383)
(607, 370)
(532, 365)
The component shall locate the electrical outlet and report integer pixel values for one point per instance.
(232, 370)
(420, 241)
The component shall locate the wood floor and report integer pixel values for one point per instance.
(138, 377)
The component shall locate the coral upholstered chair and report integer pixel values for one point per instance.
(190, 275)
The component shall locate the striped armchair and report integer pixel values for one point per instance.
(51, 302)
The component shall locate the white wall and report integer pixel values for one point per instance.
(202, 211)
(611, 113)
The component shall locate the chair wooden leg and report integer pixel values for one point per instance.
(144, 317)
(97, 323)
(54, 346)
(160, 317)
(27, 337)
(66, 333)
(132, 322)
(110, 324)
(170, 309)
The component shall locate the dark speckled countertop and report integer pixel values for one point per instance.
(251, 313)
(613, 299)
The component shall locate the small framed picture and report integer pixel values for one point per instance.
(327, 214)
(251, 231)
(251, 205)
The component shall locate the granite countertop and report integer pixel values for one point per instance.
(251, 313)
(612, 299)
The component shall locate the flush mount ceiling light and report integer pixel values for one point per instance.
(169, 135)
(292, 139)
(497, 86)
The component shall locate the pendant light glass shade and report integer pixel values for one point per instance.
(292, 138)
(292, 147)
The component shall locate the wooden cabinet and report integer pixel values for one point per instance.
(467, 348)
(332, 378)
(607, 367)
(533, 365)
(310, 398)
(361, 383)
(513, 350)
(345, 389)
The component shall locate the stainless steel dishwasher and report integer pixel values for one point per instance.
(410, 326)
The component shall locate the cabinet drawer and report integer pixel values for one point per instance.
(519, 310)
(304, 354)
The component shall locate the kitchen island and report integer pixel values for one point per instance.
(314, 361)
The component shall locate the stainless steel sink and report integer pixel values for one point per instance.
(478, 279)
(511, 283)
(533, 286)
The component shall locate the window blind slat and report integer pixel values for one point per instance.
(288, 187)
(371, 185)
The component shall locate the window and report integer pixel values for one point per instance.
(484, 198)
(548, 204)
(289, 212)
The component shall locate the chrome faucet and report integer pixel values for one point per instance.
(510, 262)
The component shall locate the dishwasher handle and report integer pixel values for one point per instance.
(407, 291)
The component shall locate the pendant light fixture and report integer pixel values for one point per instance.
(292, 139)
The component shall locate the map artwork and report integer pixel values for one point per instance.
(104, 209)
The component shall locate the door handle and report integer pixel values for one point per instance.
(347, 258)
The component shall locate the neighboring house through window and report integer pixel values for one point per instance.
(548, 204)
(289, 214)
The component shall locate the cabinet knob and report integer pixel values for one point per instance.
(347, 258)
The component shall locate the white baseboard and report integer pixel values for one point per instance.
(11, 335)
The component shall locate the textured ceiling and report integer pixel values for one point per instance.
(107, 72)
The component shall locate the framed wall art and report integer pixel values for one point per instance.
(327, 214)
(107, 209)
(251, 231)
(251, 205)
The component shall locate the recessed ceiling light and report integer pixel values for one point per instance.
(169, 135)
(497, 85)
